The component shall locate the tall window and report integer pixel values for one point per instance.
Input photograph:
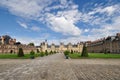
(119, 44)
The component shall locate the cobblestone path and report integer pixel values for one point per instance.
(55, 67)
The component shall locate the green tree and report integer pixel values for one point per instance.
(31, 44)
(32, 54)
(51, 52)
(66, 52)
(41, 54)
(46, 52)
(38, 51)
(20, 52)
(17, 43)
(84, 51)
(71, 51)
(54, 52)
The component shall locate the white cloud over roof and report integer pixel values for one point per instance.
(63, 16)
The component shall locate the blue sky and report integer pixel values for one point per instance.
(59, 20)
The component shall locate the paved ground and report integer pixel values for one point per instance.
(55, 67)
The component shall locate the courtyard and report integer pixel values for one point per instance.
(56, 67)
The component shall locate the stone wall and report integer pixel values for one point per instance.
(111, 44)
(13, 49)
(61, 48)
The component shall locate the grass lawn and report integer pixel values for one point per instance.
(14, 56)
(95, 55)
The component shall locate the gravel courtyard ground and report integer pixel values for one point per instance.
(55, 67)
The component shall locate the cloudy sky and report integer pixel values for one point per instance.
(59, 20)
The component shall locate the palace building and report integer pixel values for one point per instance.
(9, 45)
(61, 48)
(111, 44)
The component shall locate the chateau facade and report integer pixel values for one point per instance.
(7, 40)
(111, 44)
(61, 48)
(9, 45)
(15, 48)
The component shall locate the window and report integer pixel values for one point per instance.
(119, 44)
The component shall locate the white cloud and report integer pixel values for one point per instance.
(110, 10)
(64, 21)
(31, 9)
(72, 15)
(86, 30)
(27, 40)
(114, 26)
(37, 41)
(22, 24)
(64, 16)
(35, 28)
(107, 29)
(101, 14)
(35, 9)
(73, 40)
(64, 2)
(60, 24)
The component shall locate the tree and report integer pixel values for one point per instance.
(51, 52)
(31, 44)
(17, 43)
(38, 51)
(20, 52)
(66, 52)
(32, 53)
(46, 52)
(54, 52)
(41, 54)
(84, 51)
(71, 51)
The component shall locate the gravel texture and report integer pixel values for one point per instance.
(56, 67)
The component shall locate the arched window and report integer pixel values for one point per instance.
(11, 51)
